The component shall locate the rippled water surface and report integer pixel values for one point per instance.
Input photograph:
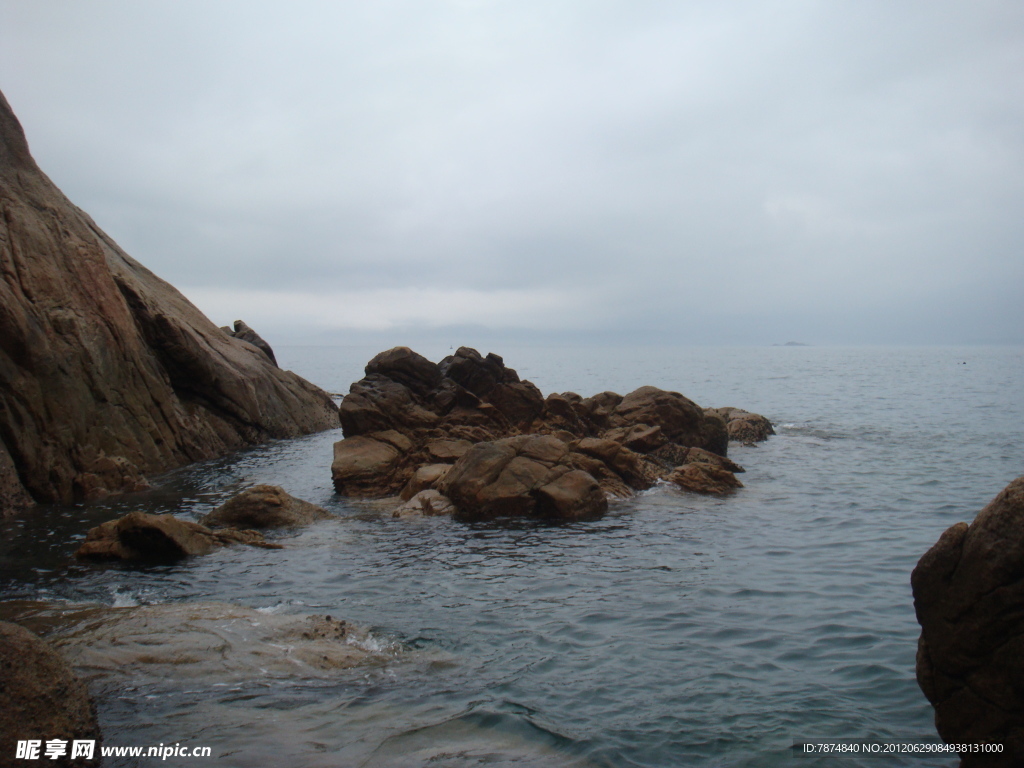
(677, 631)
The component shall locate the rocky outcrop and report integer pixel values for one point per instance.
(969, 598)
(140, 536)
(264, 506)
(409, 420)
(245, 333)
(744, 426)
(704, 478)
(42, 699)
(524, 476)
(108, 373)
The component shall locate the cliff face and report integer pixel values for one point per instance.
(107, 371)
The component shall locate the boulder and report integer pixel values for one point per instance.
(99, 357)
(573, 496)
(141, 536)
(264, 506)
(969, 598)
(704, 478)
(364, 466)
(423, 478)
(42, 699)
(518, 477)
(520, 402)
(245, 333)
(681, 420)
(701, 456)
(426, 503)
(744, 426)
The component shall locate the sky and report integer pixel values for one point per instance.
(831, 172)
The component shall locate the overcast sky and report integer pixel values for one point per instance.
(705, 172)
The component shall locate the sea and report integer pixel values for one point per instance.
(677, 630)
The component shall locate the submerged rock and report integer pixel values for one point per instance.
(42, 698)
(204, 641)
(141, 536)
(107, 373)
(704, 478)
(969, 597)
(264, 506)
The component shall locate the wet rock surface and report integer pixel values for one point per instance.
(141, 536)
(744, 426)
(108, 373)
(969, 597)
(412, 425)
(704, 478)
(40, 698)
(202, 641)
(264, 506)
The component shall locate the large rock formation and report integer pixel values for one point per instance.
(42, 700)
(101, 360)
(409, 419)
(969, 597)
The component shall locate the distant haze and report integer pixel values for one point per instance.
(698, 172)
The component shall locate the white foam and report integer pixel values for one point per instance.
(123, 599)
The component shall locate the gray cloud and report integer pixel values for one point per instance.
(840, 171)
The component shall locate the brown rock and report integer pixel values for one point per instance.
(504, 478)
(106, 475)
(363, 466)
(704, 478)
(634, 469)
(140, 536)
(681, 420)
(700, 456)
(99, 357)
(426, 503)
(378, 403)
(247, 334)
(264, 506)
(435, 413)
(448, 450)
(572, 496)
(42, 699)
(424, 478)
(969, 597)
(13, 496)
(744, 426)
(487, 377)
(406, 367)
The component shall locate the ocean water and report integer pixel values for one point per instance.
(678, 630)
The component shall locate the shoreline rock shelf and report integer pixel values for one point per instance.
(467, 437)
